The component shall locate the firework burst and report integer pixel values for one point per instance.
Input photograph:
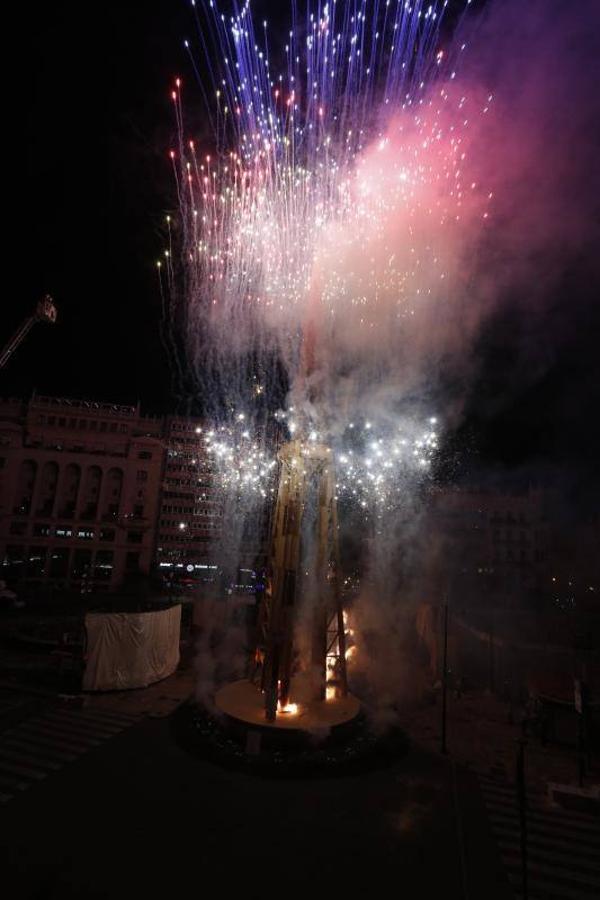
(321, 226)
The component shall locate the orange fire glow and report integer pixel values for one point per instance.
(290, 709)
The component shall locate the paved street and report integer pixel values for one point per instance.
(99, 801)
(137, 816)
(563, 847)
(41, 745)
(483, 734)
(42, 731)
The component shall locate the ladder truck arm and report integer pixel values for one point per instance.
(45, 311)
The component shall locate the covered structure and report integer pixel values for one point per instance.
(131, 650)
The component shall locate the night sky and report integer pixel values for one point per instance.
(90, 129)
(95, 125)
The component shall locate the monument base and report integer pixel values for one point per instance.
(243, 705)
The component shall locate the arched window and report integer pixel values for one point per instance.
(69, 491)
(47, 490)
(90, 493)
(113, 489)
(25, 486)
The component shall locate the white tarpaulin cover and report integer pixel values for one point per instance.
(131, 650)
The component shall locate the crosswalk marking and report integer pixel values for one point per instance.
(550, 854)
(549, 842)
(44, 751)
(24, 771)
(563, 847)
(36, 747)
(50, 723)
(9, 701)
(35, 731)
(84, 728)
(13, 754)
(12, 784)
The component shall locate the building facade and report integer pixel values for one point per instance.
(190, 519)
(79, 492)
(487, 544)
(93, 492)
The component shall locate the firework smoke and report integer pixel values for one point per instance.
(373, 191)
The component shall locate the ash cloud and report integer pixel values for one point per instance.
(535, 151)
(399, 292)
(525, 108)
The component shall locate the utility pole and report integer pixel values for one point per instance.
(522, 804)
(580, 709)
(445, 679)
(491, 652)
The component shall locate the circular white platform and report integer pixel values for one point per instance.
(244, 702)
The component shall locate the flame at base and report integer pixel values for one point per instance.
(290, 709)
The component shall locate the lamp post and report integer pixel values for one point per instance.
(445, 678)
(522, 804)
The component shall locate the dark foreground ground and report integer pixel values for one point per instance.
(137, 816)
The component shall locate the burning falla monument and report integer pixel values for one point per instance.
(298, 675)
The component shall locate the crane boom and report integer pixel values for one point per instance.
(45, 311)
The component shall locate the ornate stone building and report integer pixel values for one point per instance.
(79, 492)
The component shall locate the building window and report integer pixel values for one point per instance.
(107, 534)
(37, 562)
(103, 426)
(85, 533)
(144, 454)
(123, 429)
(142, 475)
(82, 564)
(59, 562)
(2, 462)
(18, 528)
(64, 532)
(103, 565)
(132, 562)
(13, 561)
(135, 537)
(41, 530)
(138, 511)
